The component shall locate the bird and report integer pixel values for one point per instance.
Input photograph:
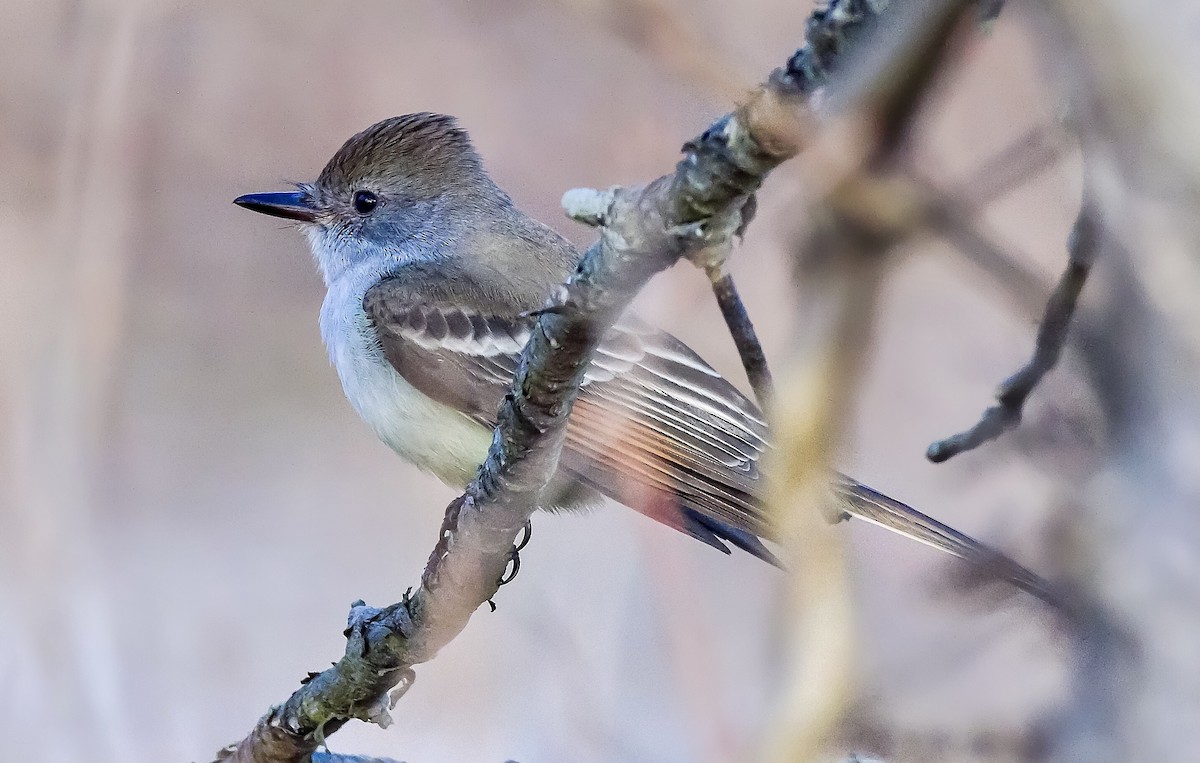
(433, 281)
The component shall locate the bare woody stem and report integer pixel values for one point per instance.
(737, 320)
(1051, 338)
(643, 231)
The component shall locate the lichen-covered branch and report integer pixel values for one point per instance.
(643, 230)
(1051, 338)
(829, 32)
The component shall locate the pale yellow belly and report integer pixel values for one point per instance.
(424, 432)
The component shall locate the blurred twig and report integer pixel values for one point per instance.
(950, 214)
(950, 218)
(1032, 153)
(866, 213)
(829, 32)
(662, 31)
(1051, 338)
(953, 214)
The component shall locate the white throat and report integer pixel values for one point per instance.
(427, 433)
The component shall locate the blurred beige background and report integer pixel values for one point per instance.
(188, 505)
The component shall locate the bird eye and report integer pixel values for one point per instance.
(365, 202)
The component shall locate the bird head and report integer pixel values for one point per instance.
(398, 189)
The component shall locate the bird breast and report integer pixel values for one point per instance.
(424, 432)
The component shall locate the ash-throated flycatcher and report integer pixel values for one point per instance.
(431, 273)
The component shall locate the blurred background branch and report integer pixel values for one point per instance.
(665, 32)
(1051, 338)
(840, 268)
(1134, 553)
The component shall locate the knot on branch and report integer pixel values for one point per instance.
(713, 257)
(379, 709)
(366, 625)
(708, 243)
(589, 206)
(726, 162)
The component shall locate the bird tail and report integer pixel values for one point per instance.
(872, 506)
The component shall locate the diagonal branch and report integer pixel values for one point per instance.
(1032, 153)
(643, 231)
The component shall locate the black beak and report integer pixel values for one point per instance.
(290, 205)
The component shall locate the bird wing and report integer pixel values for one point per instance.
(654, 427)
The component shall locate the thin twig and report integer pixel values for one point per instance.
(951, 213)
(668, 34)
(830, 31)
(1018, 162)
(949, 217)
(1051, 337)
(750, 350)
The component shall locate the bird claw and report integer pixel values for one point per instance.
(514, 556)
(514, 559)
(527, 533)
